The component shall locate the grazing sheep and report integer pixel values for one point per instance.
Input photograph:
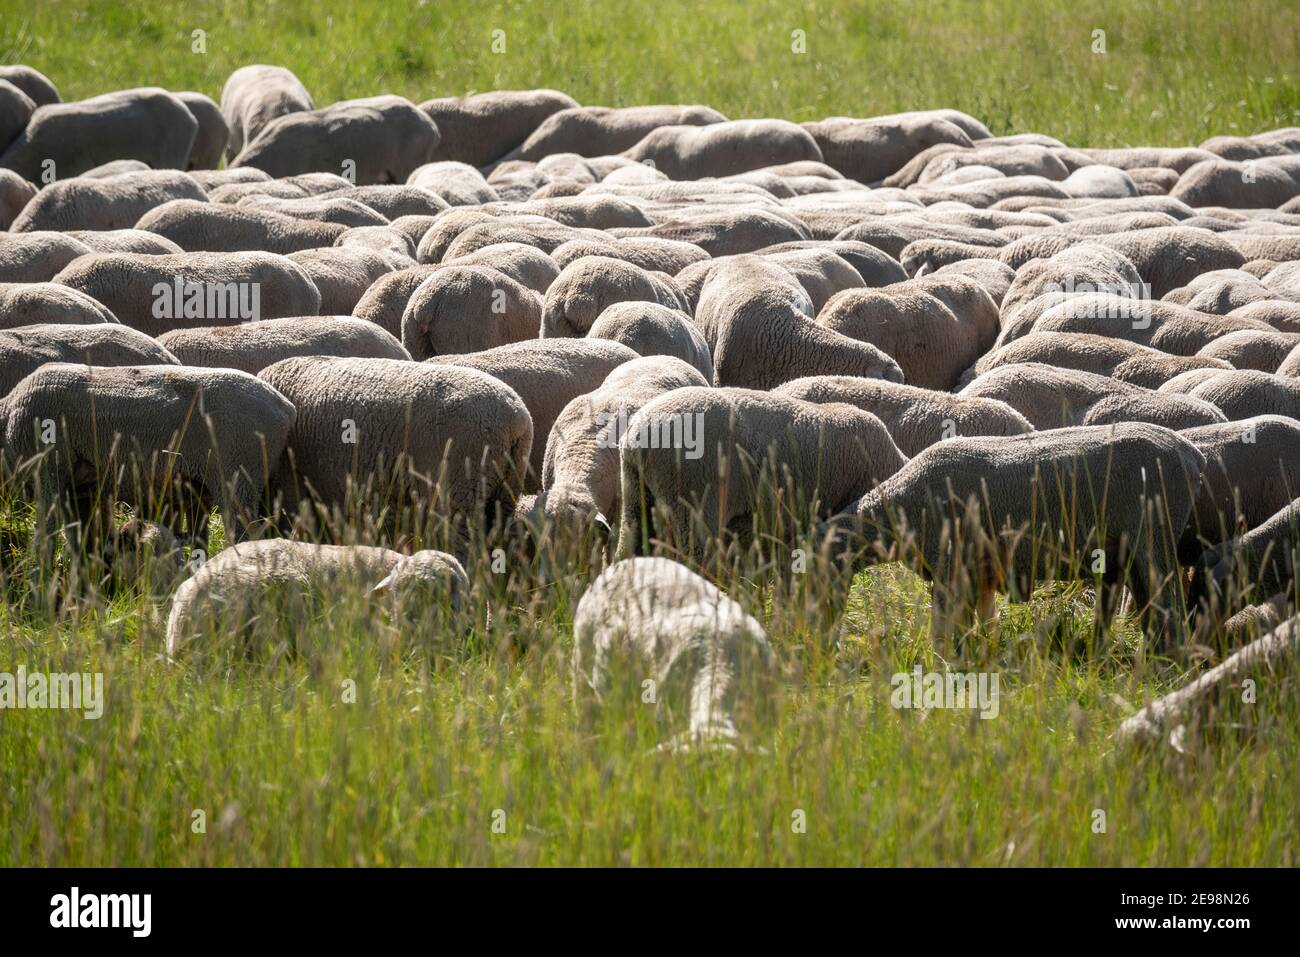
(117, 202)
(1052, 398)
(156, 294)
(36, 257)
(275, 576)
(222, 228)
(580, 471)
(727, 232)
(147, 124)
(1254, 571)
(650, 253)
(456, 184)
(213, 134)
(392, 246)
(32, 82)
(16, 109)
(526, 265)
(874, 267)
(547, 374)
(461, 309)
(439, 442)
(385, 302)
(720, 149)
(1243, 393)
(1081, 269)
(976, 516)
(650, 329)
(34, 303)
(758, 323)
(125, 241)
(869, 150)
(482, 128)
(341, 274)
(252, 346)
(167, 440)
(15, 194)
(601, 131)
(381, 139)
(1265, 183)
(254, 96)
(545, 234)
(25, 349)
(698, 462)
(916, 418)
(1253, 349)
(1102, 355)
(1220, 293)
(1252, 471)
(707, 658)
(586, 287)
(329, 208)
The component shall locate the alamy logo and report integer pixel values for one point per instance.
(39, 690)
(134, 911)
(951, 689)
(181, 299)
(676, 431)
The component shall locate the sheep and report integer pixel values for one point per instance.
(1177, 158)
(461, 309)
(114, 203)
(587, 286)
(213, 134)
(341, 274)
(1085, 268)
(221, 228)
(1255, 184)
(874, 267)
(1220, 293)
(16, 109)
(601, 131)
(35, 84)
(385, 302)
(727, 232)
(1252, 471)
(252, 346)
(482, 128)
(893, 234)
(15, 194)
(869, 150)
(1217, 691)
(650, 329)
(705, 454)
(381, 139)
(33, 303)
(650, 253)
(147, 124)
(586, 211)
(329, 208)
(1243, 393)
(580, 469)
(995, 276)
(456, 184)
(24, 349)
(916, 418)
(758, 324)
(286, 187)
(36, 257)
(124, 241)
(930, 344)
(167, 440)
(979, 515)
(1102, 355)
(1052, 398)
(395, 200)
(231, 590)
(526, 265)
(1252, 349)
(705, 655)
(411, 439)
(255, 95)
(391, 245)
(158, 293)
(719, 149)
(545, 234)
(546, 374)
(143, 554)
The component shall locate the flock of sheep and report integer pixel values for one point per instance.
(505, 317)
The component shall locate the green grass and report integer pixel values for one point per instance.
(411, 772)
(1174, 71)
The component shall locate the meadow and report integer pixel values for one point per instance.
(368, 750)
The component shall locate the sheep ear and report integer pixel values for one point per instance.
(385, 585)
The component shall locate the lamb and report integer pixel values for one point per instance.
(114, 203)
(720, 149)
(221, 228)
(341, 274)
(147, 124)
(25, 349)
(586, 287)
(580, 471)
(252, 346)
(228, 594)
(1102, 355)
(1052, 398)
(158, 293)
(403, 441)
(36, 257)
(601, 131)
(980, 515)
(706, 656)
(33, 303)
(254, 96)
(1243, 393)
(462, 309)
(546, 374)
(916, 418)
(698, 462)
(758, 324)
(381, 139)
(650, 329)
(482, 128)
(167, 440)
